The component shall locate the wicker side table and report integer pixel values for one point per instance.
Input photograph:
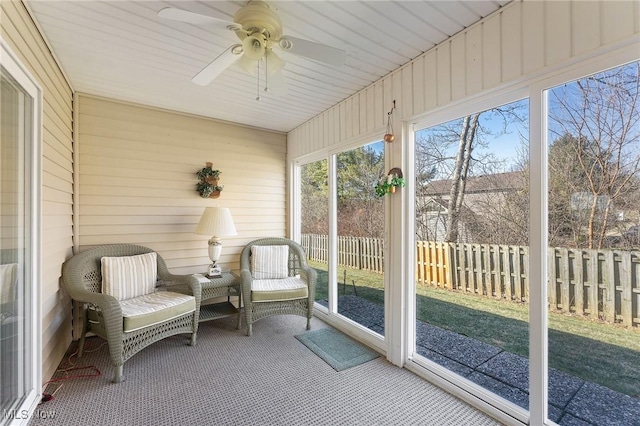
(228, 285)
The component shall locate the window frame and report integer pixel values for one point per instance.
(454, 383)
(33, 169)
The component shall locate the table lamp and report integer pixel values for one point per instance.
(217, 222)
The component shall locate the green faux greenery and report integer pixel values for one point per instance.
(384, 186)
(206, 189)
(208, 181)
(208, 172)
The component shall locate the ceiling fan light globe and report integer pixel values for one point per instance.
(248, 65)
(254, 47)
(274, 63)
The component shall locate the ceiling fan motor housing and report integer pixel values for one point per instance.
(258, 16)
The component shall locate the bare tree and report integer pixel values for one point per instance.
(460, 173)
(439, 161)
(600, 117)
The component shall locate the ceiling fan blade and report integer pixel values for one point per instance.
(218, 65)
(193, 18)
(312, 50)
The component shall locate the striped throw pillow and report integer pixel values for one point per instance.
(129, 276)
(8, 277)
(269, 262)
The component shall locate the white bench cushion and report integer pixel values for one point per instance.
(154, 308)
(278, 289)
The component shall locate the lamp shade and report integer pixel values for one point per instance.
(216, 221)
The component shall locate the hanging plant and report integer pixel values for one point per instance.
(208, 186)
(389, 136)
(389, 183)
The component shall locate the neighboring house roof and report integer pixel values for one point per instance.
(499, 182)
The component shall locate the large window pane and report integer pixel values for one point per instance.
(594, 248)
(314, 203)
(360, 220)
(472, 204)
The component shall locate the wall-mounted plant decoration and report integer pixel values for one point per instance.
(389, 183)
(208, 186)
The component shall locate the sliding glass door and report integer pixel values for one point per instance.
(360, 236)
(19, 323)
(342, 223)
(314, 222)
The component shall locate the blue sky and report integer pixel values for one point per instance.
(502, 137)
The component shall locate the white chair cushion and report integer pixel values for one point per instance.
(278, 289)
(125, 277)
(154, 308)
(269, 262)
(8, 277)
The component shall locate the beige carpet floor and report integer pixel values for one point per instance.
(231, 379)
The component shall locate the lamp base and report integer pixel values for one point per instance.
(214, 271)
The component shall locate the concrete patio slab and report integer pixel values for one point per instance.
(448, 363)
(604, 406)
(462, 349)
(510, 393)
(569, 420)
(514, 370)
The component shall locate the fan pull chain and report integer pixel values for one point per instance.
(258, 89)
(266, 74)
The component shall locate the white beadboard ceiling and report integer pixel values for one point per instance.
(123, 50)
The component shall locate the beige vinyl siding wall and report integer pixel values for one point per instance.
(522, 39)
(137, 180)
(19, 31)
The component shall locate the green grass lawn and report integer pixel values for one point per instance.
(592, 350)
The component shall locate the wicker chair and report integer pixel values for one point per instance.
(102, 313)
(300, 303)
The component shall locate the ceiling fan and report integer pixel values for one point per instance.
(260, 31)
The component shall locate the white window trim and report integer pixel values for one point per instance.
(11, 62)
